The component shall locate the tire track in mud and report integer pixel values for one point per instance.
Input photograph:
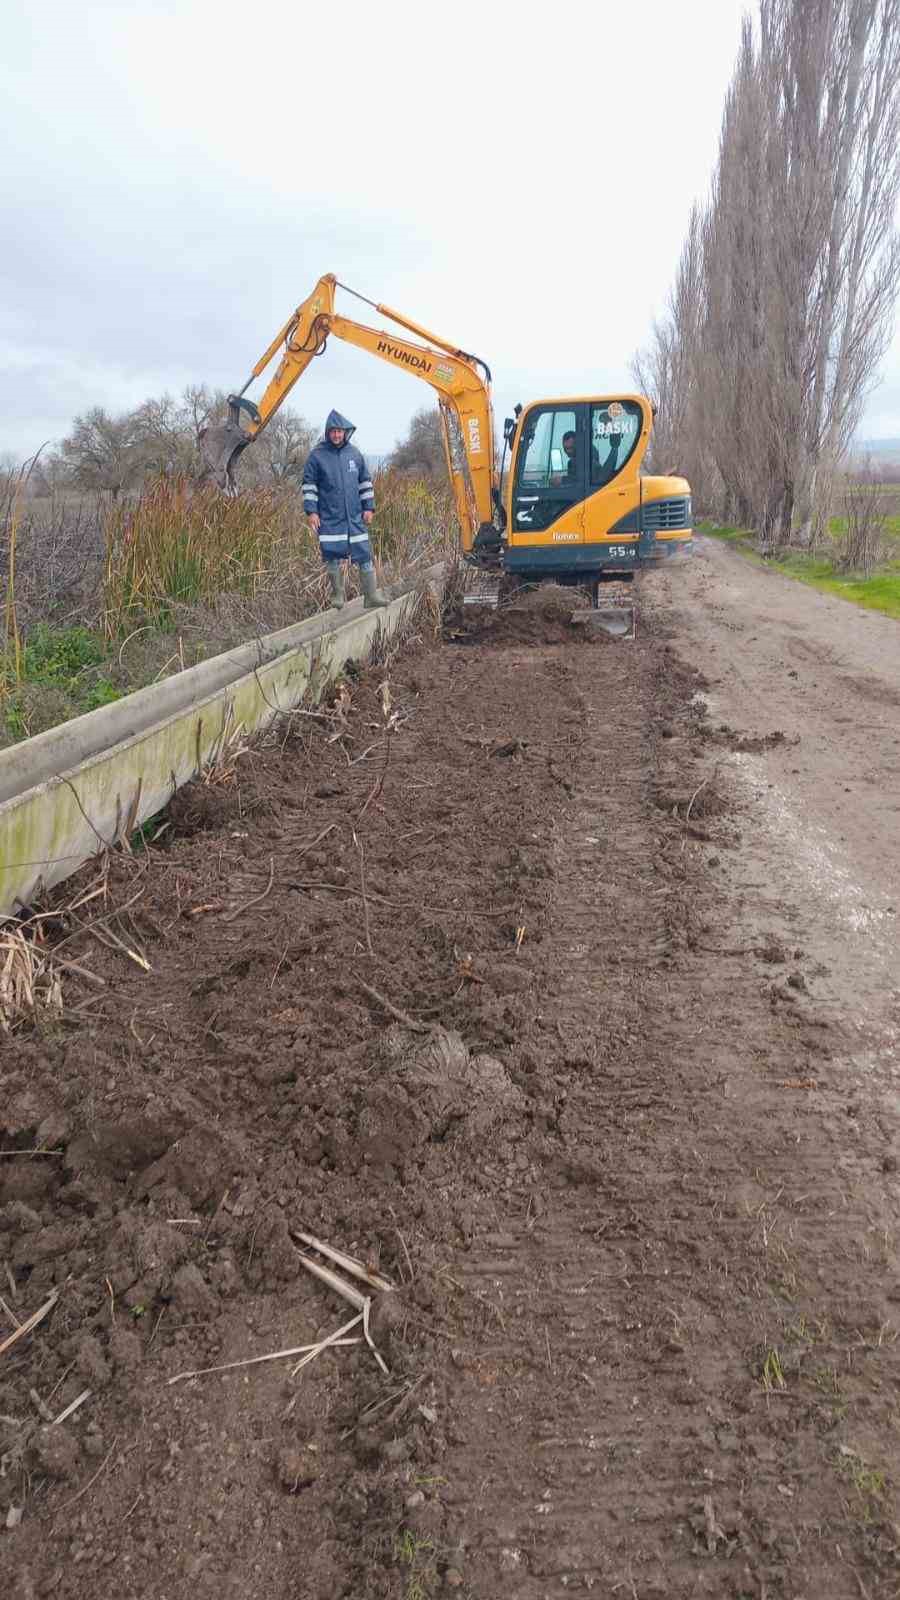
(669, 1410)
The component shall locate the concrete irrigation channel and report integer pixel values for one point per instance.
(503, 975)
(87, 785)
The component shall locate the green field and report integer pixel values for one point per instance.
(878, 592)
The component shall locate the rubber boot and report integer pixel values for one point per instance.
(372, 595)
(336, 579)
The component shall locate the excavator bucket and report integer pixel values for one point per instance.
(222, 442)
(620, 621)
(220, 446)
(617, 616)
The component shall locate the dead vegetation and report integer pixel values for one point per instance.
(105, 595)
(864, 546)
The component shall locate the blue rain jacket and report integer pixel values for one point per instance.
(338, 485)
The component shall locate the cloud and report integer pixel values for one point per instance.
(519, 185)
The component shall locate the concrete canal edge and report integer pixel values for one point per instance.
(71, 792)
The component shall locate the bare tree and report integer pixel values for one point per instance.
(165, 436)
(865, 508)
(284, 445)
(102, 451)
(161, 437)
(771, 345)
(422, 451)
(666, 369)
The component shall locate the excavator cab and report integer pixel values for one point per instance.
(579, 512)
(574, 473)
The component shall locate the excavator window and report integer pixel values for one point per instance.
(615, 431)
(550, 451)
(551, 465)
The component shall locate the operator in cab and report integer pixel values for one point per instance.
(570, 447)
(339, 501)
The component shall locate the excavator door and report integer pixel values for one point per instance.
(550, 484)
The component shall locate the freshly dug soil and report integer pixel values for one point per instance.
(455, 979)
(536, 616)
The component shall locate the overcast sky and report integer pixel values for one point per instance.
(177, 173)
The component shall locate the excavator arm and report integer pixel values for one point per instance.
(461, 380)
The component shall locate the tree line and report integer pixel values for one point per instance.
(783, 299)
(117, 453)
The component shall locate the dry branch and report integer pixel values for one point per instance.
(325, 1275)
(326, 1344)
(349, 1263)
(362, 885)
(91, 1481)
(257, 899)
(392, 1010)
(16, 1321)
(31, 1322)
(377, 787)
(369, 1341)
(253, 1361)
(72, 1407)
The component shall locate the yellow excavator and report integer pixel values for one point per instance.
(573, 507)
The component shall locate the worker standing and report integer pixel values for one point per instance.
(339, 500)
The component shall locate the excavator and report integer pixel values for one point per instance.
(573, 508)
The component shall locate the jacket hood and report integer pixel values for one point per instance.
(335, 420)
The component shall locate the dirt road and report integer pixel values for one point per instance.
(825, 799)
(630, 1159)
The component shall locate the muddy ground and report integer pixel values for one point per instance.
(629, 1154)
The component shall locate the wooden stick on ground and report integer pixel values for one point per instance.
(257, 899)
(392, 1010)
(16, 1321)
(30, 1322)
(365, 902)
(91, 1481)
(406, 1253)
(369, 1340)
(325, 1275)
(698, 791)
(326, 1344)
(83, 972)
(72, 1407)
(106, 936)
(377, 787)
(86, 927)
(253, 1361)
(349, 1263)
(317, 840)
(39, 1405)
